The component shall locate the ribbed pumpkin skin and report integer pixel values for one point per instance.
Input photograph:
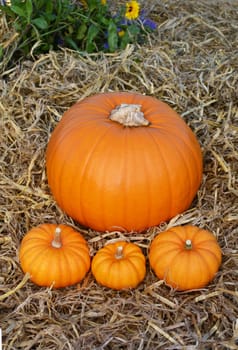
(118, 274)
(110, 177)
(183, 268)
(63, 266)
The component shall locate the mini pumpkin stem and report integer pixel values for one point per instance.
(119, 252)
(57, 243)
(129, 115)
(188, 244)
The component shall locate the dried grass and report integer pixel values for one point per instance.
(192, 64)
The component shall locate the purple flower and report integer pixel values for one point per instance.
(147, 22)
(106, 46)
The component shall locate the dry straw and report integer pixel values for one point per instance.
(192, 64)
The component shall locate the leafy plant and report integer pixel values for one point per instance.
(89, 26)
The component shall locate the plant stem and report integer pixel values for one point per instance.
(119, 252)
(57, 243)
(129, 115)
(188, 244)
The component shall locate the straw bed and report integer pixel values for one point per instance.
(191, 63)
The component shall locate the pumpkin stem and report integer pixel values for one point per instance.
(129, 115)
(119, 252)
(56, 243)
(188, 244)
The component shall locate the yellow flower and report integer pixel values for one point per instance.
(121, 33)
(132, 9)
(103, 2)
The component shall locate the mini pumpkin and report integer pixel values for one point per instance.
(123, 161)
(185, 257)
(54, 255)
(119, 265)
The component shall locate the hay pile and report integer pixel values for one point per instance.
(192, 64)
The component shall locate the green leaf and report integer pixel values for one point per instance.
(1, 51)
(40, 23)
(133, 30)
(19, 27)
(49, 7)
(28, 10)
(91, 35)
(92, 5)
(81, 31)
(19, 11)
(70, 29)
(112, 36)
(124, 41)
(72, 43)
(104, 21)
(7, 10)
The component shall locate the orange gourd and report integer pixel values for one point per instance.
(123, 161)
(185, 257)
(119, 265)
(54, 255)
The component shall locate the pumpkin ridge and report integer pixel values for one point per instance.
(130, 158)
(211, 253)
(206, 241)
(131, 269)
(64, 266)
(36, 240)
(197, 159)
(76, 246)
(63, 166)
(181, 232)
(103, 195)
(173, 259)
(79, 255)
(158, 245)
(181, 274)
(111, 267)
(170, 239)
(163, 158)
(41, 234)
(139, 273)
(128, 271)
(83, 265)
(149, 189)
(47, 270)
(85, 169)
(74, 241)
(188, 163)
(192, 232)
(187, 166)
(30, 251)
(131, 250)
(133, 254)
(101, 259)
(36, 264)
(204, 263)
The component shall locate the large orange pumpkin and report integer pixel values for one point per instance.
(123, 161)
(186, 257)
